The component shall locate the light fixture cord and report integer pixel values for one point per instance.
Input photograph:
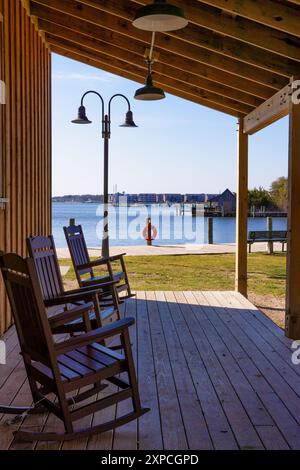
(152, 46)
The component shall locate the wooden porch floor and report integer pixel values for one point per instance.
(215, 371)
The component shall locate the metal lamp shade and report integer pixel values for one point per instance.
(160, 16)
(149, 92)
(82, 117)
(129, 122)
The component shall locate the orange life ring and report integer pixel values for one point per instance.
(153, 233)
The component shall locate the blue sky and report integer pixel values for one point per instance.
(179, 146)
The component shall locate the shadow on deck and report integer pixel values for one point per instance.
(215, 371)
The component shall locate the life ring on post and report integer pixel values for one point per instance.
(150, 232)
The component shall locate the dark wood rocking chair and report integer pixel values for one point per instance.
(63, 369)
(42, 250)
(83, 266)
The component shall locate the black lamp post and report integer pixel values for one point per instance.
(106, 133)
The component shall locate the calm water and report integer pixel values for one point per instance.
(126, 225)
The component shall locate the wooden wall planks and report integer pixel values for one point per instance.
(26, 131)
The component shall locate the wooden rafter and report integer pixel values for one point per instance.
(233, 60)
(224, 53)
(77, 28)
(238, 28)
(241, 35)
(266, 12)
(131, 76)
(123, 64)
(138, 59)
(270, 111)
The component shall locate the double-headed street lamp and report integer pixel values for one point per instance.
(106, 133)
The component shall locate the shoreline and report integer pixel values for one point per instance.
(167, 250)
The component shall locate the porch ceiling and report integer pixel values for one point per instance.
(231, 57)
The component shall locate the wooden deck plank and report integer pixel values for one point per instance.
(257, 411)
(284, 367)
(282, 393)
(170, 412)
(214, 371)
(17, 398)
(255, 318)
(193, 418)
(217, 422)
(242, 427)
(150, 434)
(125, 437)
(247, 395)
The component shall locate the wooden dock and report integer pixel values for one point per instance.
(215, 371)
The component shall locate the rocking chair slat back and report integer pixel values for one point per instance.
(27, 305)
(78, 249)
(43, 252)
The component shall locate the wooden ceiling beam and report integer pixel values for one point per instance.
(160, 80)
(137, 58)
(284, 18)
(244, 40)
(270, 111)
(163, 41)
(238, 28)
(295, 2)
(131, 76)
(76, 27)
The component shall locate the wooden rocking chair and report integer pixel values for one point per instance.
(42, 251)
(83, 266)
(61, 369)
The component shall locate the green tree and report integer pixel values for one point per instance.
(279, 193)
(259, 197)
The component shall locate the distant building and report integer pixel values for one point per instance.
(194, 198)
(132, 198)
(173, 198)
(224, 203)
(147, 198)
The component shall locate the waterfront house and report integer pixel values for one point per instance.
(224, 204)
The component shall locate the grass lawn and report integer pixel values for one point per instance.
(202, 272)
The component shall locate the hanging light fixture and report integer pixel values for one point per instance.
(129, 122)
(149, 92)
(82, 117)
(160, 16)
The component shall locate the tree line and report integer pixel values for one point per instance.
(276, 198)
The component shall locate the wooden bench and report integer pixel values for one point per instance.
(267, 236)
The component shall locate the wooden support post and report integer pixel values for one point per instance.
(292, 325)
(270, 228)
(241, 212)
(210, 230)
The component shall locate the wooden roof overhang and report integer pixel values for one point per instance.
(232, 57)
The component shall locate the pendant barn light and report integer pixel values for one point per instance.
(149, 92)
(160, 16)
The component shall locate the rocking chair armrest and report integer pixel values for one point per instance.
(72, 299)
(118, 257)
(85, 290)
(93, 264)
(69, 315)
(94, 336)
